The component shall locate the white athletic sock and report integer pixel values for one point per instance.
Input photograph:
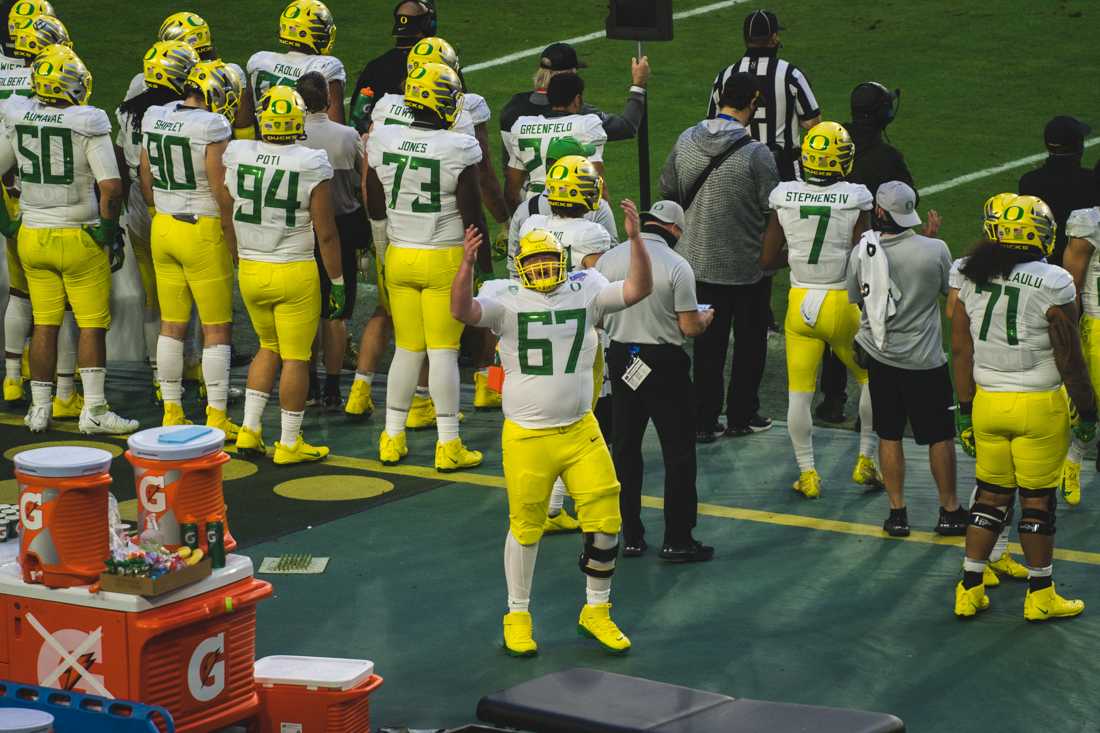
(400, 385)
(1076, 451)
(94, 380)
(66, 385)
(292, 427)
(598, 590)
(367, 377)
(254, 404)
(170, 368)
(215, 372)
(67, 337)
(800, 425)
(868, 441)
(519, 572)
(17, 327)
(1041, 572)
(41, 393)
(973, 566)
(557, 497)
(151, 328)
(422, 392)
(443, 383)
(13, 368)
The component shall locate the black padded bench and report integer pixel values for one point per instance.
(591, 701)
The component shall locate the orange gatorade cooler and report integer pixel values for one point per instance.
(63, 514)
(315, 694)
(178, 471)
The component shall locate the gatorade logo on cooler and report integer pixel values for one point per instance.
(151, 494)
(30, 511)
(206, 670)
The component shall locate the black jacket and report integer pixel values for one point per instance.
(382, 75)
(1064, 185)
(877, 161)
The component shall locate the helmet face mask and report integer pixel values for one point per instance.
(573, 180)
(540, 261)
(827, 154)
(435, 88)
(282, 115)
(167, 64)
(307, 26)
(218, 86)
(59, 76)
(192, 30)
(1027, 224)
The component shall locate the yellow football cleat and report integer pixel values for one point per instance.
(969, 602)
(421, 414)
(452, 456)
(391, 448)
(485, 398)
(359, 404)
(1071, 483)
(595, 622)
(989, 578)
(300, 452)
(808, 484)
(866, 473)
(158, 397)
(216, 418)
(1007, 565)
(68, 409)
(561, 523)
(518, 641)
(13, 389)
(1047, 604)
(250, 442)
(173, 415)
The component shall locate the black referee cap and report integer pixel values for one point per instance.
(1065, 135)
(760, 25)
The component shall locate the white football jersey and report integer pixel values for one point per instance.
(175, 139)
(531, 135)
(16, 81)
(61, 153)
(268, 69)
(391, 110)
(579, 238)
(818, 222)
(1085, 224)
(271, 187)
(8, 63)
(419, 171)
(1009, 326)
(548, 344)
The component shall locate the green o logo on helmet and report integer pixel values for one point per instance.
(424, 48)
(818, 142)
(292, 12)
(24, 8)
(558, 172)
(151, 54)
(419, 72)
(44, 68)
(281, 106)
(193, 21)
(1013, 213)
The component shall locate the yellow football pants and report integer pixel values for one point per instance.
(1021, 437)
(837, 324)
(143, 253)
(534, 458)
(65, 264)
(418, 282)
(193, 266)
(1090, 347)
(284, 303)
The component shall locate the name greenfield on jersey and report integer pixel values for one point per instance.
(545, 128)
(802, 197)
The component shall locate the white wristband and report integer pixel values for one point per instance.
(635, 89)
(338, 280)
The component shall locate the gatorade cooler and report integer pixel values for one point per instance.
(315, 694)
(19, 720)
(63, 514)
(190, 651)
(178, 470)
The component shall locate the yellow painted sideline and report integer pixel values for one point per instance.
(653, 502)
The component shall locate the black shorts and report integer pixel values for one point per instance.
(923, 397)
(354, 235)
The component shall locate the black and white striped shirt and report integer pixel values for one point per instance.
(787, 94)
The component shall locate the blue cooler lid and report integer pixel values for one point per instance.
(63, 461)
(23, 720)
(176, 442)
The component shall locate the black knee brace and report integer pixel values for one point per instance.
(988, 517)
(592, 554)
(1038, 521)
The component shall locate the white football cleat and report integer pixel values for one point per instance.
(37, 418)
(99, 420)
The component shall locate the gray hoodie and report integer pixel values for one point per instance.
(726, 221)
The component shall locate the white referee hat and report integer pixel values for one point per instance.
(668, 212)
(900, 201)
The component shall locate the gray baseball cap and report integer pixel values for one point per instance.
(900, 201)
(668, 212)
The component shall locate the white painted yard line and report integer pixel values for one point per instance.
(536, 50)
(994, 170)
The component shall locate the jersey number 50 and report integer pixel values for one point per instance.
(37, 147)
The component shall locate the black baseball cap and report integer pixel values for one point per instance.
(1065, 135)
(760, 24)
(559, 57)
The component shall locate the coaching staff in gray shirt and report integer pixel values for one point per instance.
(649, 335)
(897, 276)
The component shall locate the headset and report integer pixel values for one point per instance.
(425, 24)
(882, 106)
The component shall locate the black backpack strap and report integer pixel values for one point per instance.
(711, 167)
(533, 205)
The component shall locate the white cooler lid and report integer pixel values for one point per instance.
(176, 442)
(63, 461)
(313, 672)
(23, 720)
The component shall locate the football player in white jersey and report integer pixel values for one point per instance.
(307, 28)
(548, 345)
(63, 150)
(281, 196)
(422, 191)
(182, 174)
(529, 139)
(818, 220)
(1014, 343)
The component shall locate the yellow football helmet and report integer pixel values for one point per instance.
(574, 180)
(24, 10)
(994, 207)
(435, 88)
(220, 88)
(167, 64)
(432, 51)
(30, 35)
(282, 115)
(192, 30)
(307, 25)
(827, 153)
(536, 270)
(1027, 224)
(58, 75)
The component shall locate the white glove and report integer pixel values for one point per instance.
(380, 237)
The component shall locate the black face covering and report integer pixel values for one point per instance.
(660, 231)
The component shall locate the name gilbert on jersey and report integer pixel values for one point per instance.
(799, 197)
(543, 128)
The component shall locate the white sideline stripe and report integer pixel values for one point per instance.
(987, 172)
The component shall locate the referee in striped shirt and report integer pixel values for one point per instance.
(789, 103)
